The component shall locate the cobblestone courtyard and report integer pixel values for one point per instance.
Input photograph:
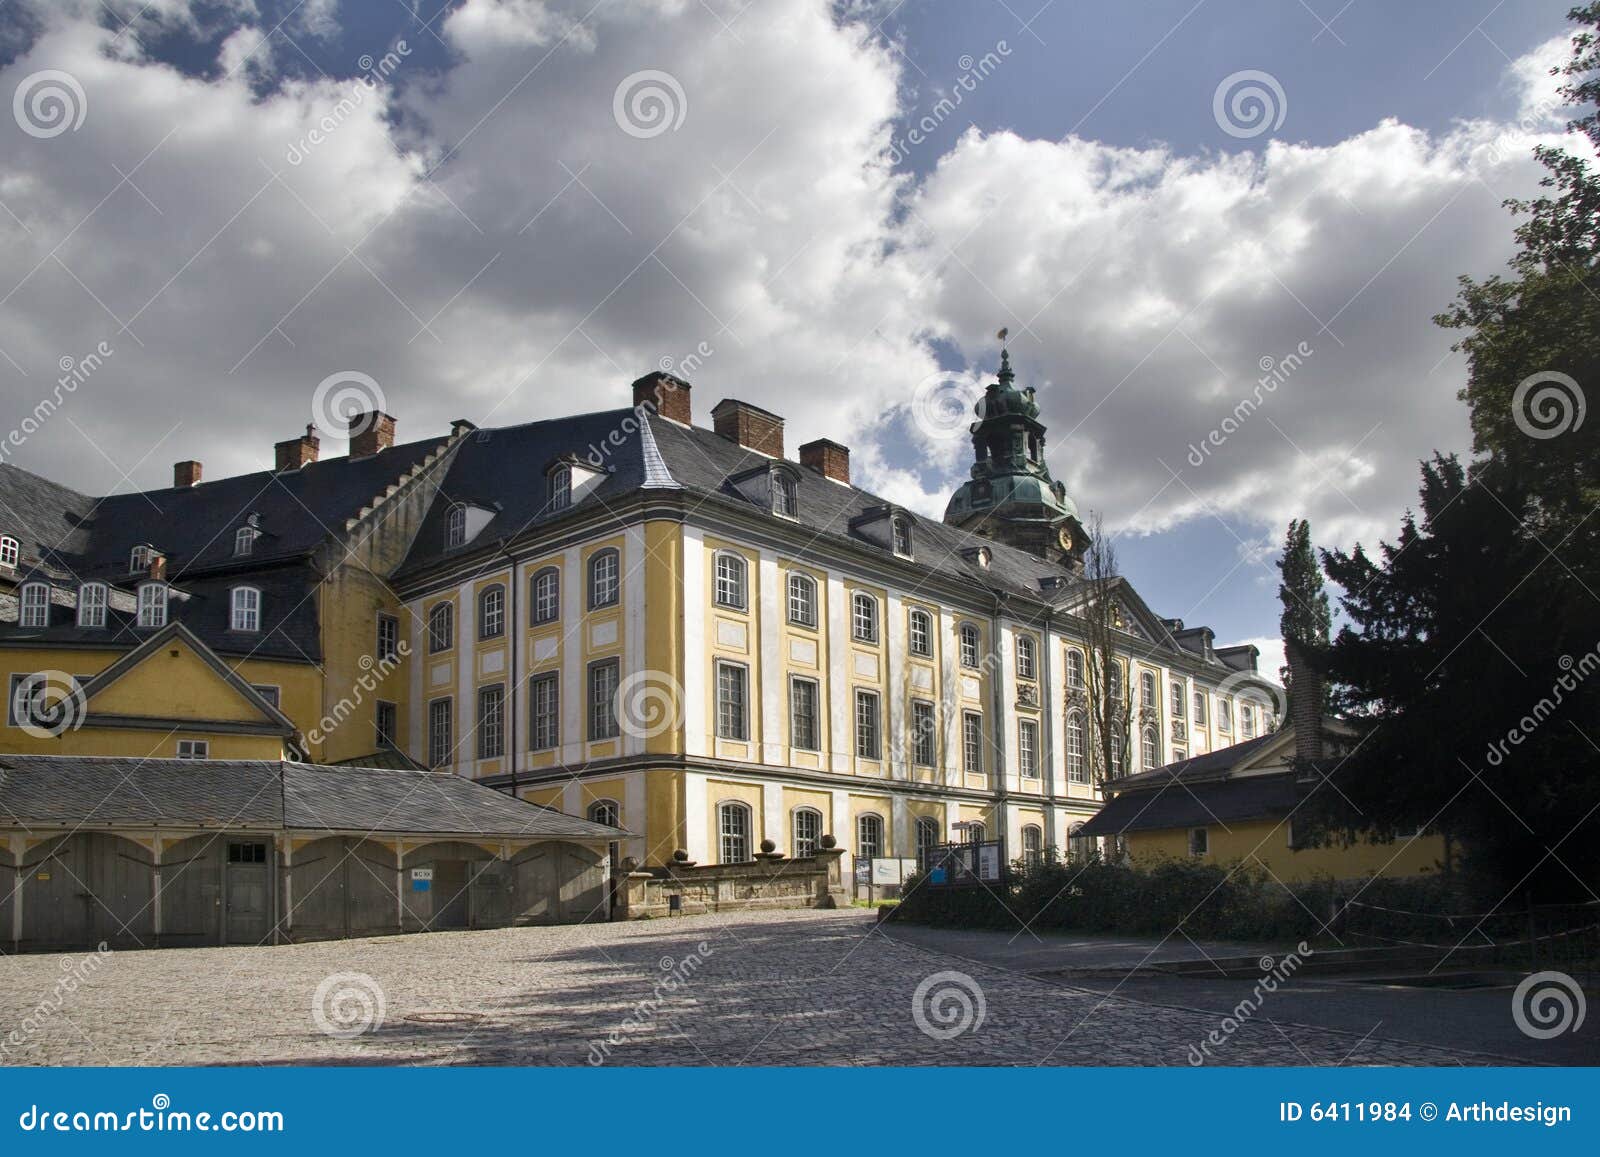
(779, 988)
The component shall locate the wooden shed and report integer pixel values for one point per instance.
(170, 852)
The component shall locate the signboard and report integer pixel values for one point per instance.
(863, 871)
(957, 864)
(892, 871)
(421, 879)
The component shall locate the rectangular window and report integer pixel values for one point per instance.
(544, 711)
(603, 679)
(268, 692)
(1199, 708)
(921, 624)
(803, 714)
(1199, 842)
(247, 853)
(92, 605)
(1224, 715)
(972, 742)
(923, 733)
(194, 749)
(35, 605)
(1028, 748)
(730, 581)
(388, 637)
(441, 738)
(868, 743)
(386, 723)
(246, 609)
(19, 713)
(153, 605)
(1178, 698)
(492, 721)
(732, 704)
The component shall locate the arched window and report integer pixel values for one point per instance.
(929, 836)
(869, 837)
(1032, 845)
(455, 527)
(1224, 714)
(730, 574)
(733, 830)
(802, 599)
(92, 605)
(1077, 767)
(244, 540)
(1025, 664)
(441, 627)
(921, 633)
(560, 488)
(1080, 847)
(785, 497)
(547, 595)
(1247, 720)
(900, 525)
(1115, 753)
(1147, 690)
(975, 833)
(35, 605)
(1199, 708)
(969, 646)
(605, 811)
(10, 550)
(492, 612)
(807, 823)
(139, 559)
(152, 605)
(863, 618)
(244, 609)
(605, 584)
(1149, 747)
(1075, 669)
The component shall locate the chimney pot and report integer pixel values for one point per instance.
(185, 474)
(158, 568)
(750, 426)
(827, 458)
(666, 394)
(370, 432)
(296, 452)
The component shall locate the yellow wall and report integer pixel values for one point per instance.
(1267, 840)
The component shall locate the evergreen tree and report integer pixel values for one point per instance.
(1305, 621)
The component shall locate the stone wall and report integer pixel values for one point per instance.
(769, 881)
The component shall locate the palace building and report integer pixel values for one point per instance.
(624, 616)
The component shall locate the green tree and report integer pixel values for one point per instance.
(1305, 621)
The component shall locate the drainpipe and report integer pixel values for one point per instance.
(1047, 708)
(514, 637)
(999, 728)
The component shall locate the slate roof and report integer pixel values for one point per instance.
(98, 792)
(1207, 765)
(1184, 805)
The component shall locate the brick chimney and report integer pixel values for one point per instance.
(158, 568)
(370, 432)
(750, 426)
(827, 458)
(664, 393)
(185, 474)
(1305, 703)
(296, 452)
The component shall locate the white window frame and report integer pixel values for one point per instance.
(244, 609)
(386, 628)
(1147, 689)
(605, 578)
(139, 558)
(1032, 845)
(441, 731)
(1180, 699)
(455, 527)
(1028, 748)
(864, 618)
(972, 761)
(561, 488)
(733, 701)
(441, 614)
(545, 594)
(492, 616)
(732, 575)
(1077, 745)
(1150, 746)
(870, 843)
(929, 834)
(1200, 709)
(1026, 665)
(735, 826)
(971, 646)
(806, 839)
(900, 535)
(492, 721)
(95, 599)
(152, 606)
(1247, 719)
(544, 718)
(605, 811)
(244, 541)
(813, 740)
(10, 551)
(869, 724)
(604, 723)
(785, 496)
(924, 740)
(1225, 715)
(1075, 669)
(33, 605)
(919, 632)
(802, 595)
(194, 749)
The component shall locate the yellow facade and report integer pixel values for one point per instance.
(1267, 842)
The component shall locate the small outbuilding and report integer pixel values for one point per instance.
(183, 852)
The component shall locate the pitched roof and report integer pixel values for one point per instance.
(98, 792)
(1207, 765)
(1184, 805)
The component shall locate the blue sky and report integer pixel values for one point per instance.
(482, 234)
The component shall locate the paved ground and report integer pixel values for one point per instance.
(770, 988)
(1475, 1020)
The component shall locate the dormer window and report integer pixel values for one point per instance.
(901, 528)
(10, 551)
(35, 605)
(152, 605)
(785, 496)
(92, 598)
(455, 527)
(245, 609)
(561, 488)
(244, 541)
(139, 558)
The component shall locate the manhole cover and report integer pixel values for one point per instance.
(444, 1017)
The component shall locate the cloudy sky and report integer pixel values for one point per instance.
(508, 209)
